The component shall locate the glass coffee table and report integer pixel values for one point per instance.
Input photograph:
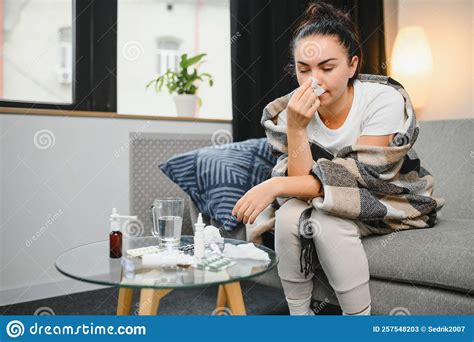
(91, 263)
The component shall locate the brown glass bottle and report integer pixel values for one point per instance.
(115, 239)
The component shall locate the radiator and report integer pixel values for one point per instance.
(147, 182)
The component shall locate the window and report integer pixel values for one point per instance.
(94, 55)
(65, 56)
(155, 42)
(168, 54)
(33, 33)
(58, 54)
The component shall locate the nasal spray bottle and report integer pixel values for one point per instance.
(115, 236)
(199, 243)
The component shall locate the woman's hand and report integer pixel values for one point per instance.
(302, 106)
(255, 200)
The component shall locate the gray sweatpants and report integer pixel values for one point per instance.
(340, 253)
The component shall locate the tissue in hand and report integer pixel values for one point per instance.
(317, 88)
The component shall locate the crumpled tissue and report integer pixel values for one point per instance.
(317, 88)
(168, 258)
(212, 235)
(245, 251)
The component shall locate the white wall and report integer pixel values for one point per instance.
(449, 28)
(390, 15)
(73, 183)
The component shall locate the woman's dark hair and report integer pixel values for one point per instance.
(323, 19)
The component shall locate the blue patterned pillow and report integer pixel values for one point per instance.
(217, 177)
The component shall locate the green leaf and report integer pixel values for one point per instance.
(195, 59)
(184, 61)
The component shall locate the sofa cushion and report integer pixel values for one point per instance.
(441, 256)
(216, 177)
(445, 148)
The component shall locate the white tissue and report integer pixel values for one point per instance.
(212, 235)
(317, 88)
(167, 259)
(245, 251)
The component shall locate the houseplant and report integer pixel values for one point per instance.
(183, 83)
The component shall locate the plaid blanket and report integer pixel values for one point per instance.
(386, 188)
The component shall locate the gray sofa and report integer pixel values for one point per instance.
(424, 271)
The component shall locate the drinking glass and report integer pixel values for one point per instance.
(168, 220)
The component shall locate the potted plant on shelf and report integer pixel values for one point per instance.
(183, 83)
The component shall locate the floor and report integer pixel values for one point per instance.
(259, 300)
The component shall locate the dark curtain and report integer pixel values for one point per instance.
(261, 34)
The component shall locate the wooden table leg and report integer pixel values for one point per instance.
(221, 298)
(150, 300)
(124, 305)
(233, 294)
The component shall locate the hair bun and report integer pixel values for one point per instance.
(321, 11)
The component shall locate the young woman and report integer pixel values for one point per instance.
(325, 47)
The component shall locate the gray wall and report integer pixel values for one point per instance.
(63, 193)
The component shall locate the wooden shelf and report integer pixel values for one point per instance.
(79, 113)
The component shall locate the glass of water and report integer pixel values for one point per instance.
(168, 220)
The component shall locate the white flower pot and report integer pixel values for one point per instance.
(185, 104)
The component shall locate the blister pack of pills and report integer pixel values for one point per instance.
(214, 263)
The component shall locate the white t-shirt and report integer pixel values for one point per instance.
(377, 109)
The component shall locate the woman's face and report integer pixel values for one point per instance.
(324, 58)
